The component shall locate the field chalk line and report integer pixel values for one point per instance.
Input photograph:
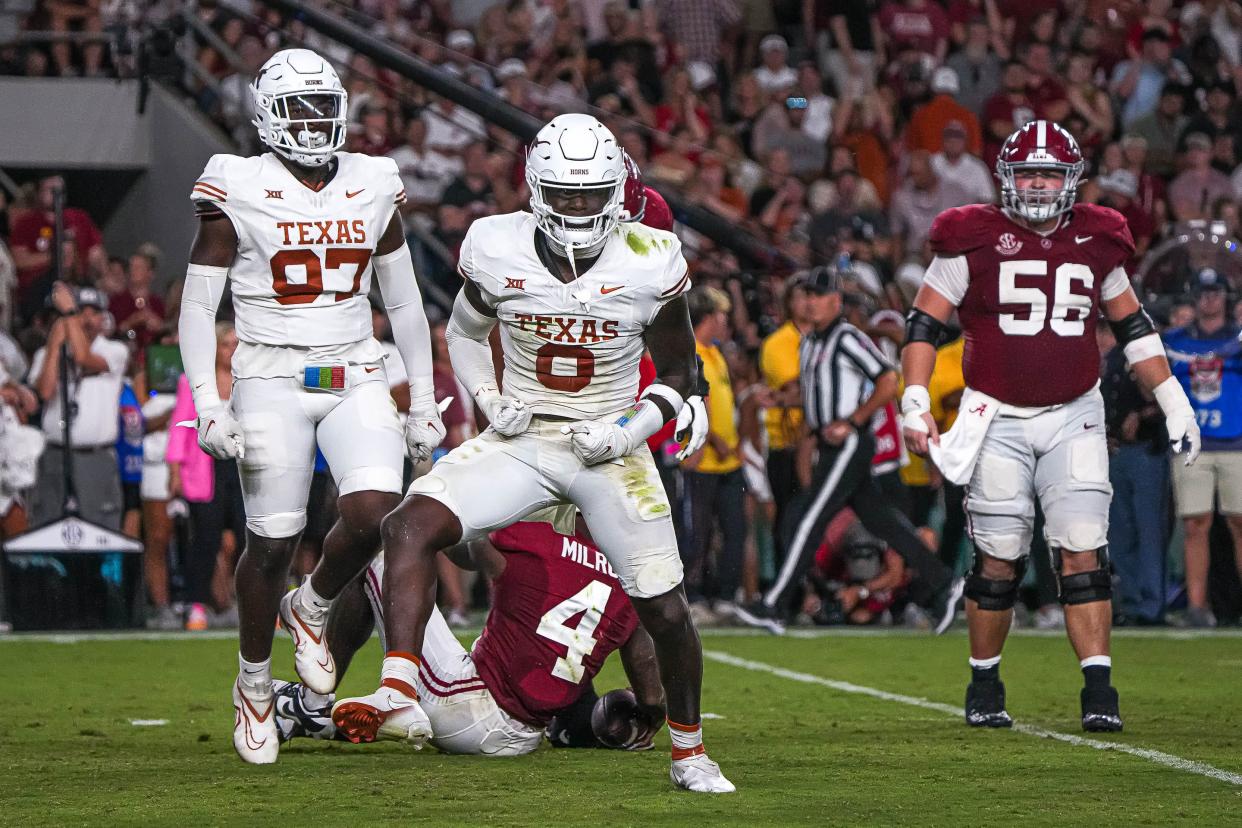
(1156, 756)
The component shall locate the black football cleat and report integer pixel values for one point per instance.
(295, 720)
(1100, 712)
(985, 704)
(759, 614)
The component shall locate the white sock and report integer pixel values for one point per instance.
(255, 677)
(985, 663)
(310, 602)
(687, 739)
(313, 700)
(1096, 661)
(400, 672)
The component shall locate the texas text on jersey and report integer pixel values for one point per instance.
(572, 349)
(303, 266)
(1028, 303)
(558, 611)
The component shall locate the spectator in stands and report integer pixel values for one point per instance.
(922, 197)
(927, 125)
(1007, 110)
(1139, 81)
(1193, 192)
(1139, 473)
(471, 190)
(1042, 87)
(139, 313)
(1087, 100)
(1162, 128)
(1213, 382)
(67, 16)
(781, 128)
(954, 163)
(450, 128)
(424, 171)
(774, 75)
(1219, 117)
(96, 372)
(819, 106)
(714, 479)
(1119, 190)
(919, 26)
(846, 35)
(697, 26)
(30, 236)
(977, 65)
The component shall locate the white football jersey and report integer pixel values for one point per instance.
(303, 266)
(572, 349)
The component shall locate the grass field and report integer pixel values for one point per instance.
(806, 729)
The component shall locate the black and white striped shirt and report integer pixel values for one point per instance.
(839, 368)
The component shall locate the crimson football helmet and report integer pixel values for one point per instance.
(634, 204)
(1039, 145)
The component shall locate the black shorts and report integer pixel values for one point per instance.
(131, 497)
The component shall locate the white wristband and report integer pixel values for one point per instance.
(1145, 347)
(1171, 397)
(915, 400)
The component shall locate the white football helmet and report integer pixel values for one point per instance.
(576, 153)
(294, 90)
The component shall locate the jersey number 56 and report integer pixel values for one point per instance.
(1068, 310)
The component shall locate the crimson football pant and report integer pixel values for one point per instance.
(842, 477)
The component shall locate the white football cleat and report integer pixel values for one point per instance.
(387, 714)
(699, 774)
(311, 656)
(254, 730)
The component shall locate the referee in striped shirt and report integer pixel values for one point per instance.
(845, 380)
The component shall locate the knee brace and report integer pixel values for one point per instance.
(990, 594)
(1084, 587)
(277, 525)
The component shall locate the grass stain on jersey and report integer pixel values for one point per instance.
(637, 244)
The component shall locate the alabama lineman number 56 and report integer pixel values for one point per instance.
(1028, 281)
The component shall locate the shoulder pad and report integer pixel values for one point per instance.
(960, 230)
(213, 184)
(1110, 226)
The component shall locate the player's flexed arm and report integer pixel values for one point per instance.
(918, 357)
(215, 247)
(394, 270)
(670, 339)
(1145, 354)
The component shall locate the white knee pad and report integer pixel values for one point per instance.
(277, 524)
(370, 479)
(651, 572)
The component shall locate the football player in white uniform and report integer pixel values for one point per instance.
(578, 295)
(299, 231)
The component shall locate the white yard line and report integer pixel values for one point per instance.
(1158, 757)
(1166, 634)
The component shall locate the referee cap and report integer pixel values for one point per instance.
(823, 279)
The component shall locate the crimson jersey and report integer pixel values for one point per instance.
(1028, 304)
(557, 613)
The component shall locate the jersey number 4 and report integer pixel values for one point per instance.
(1069, 309)
(578, 640)
(305, 292)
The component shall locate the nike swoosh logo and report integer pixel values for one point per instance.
(604, 291)
(354, 193)
(1081, 239)
(371, 370)
(1088, 426)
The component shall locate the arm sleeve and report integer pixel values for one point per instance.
(948, 276)
(1115, 284)
(204, 286)
(469, 350)
(404, 302)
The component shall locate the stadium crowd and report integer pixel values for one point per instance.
(833, 131)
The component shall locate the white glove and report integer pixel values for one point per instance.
(692, 419)
(424, 431)
(220, 435)
(595, 442)
(1179, 418)
(508, 415)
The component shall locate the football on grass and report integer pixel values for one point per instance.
(613, 719)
